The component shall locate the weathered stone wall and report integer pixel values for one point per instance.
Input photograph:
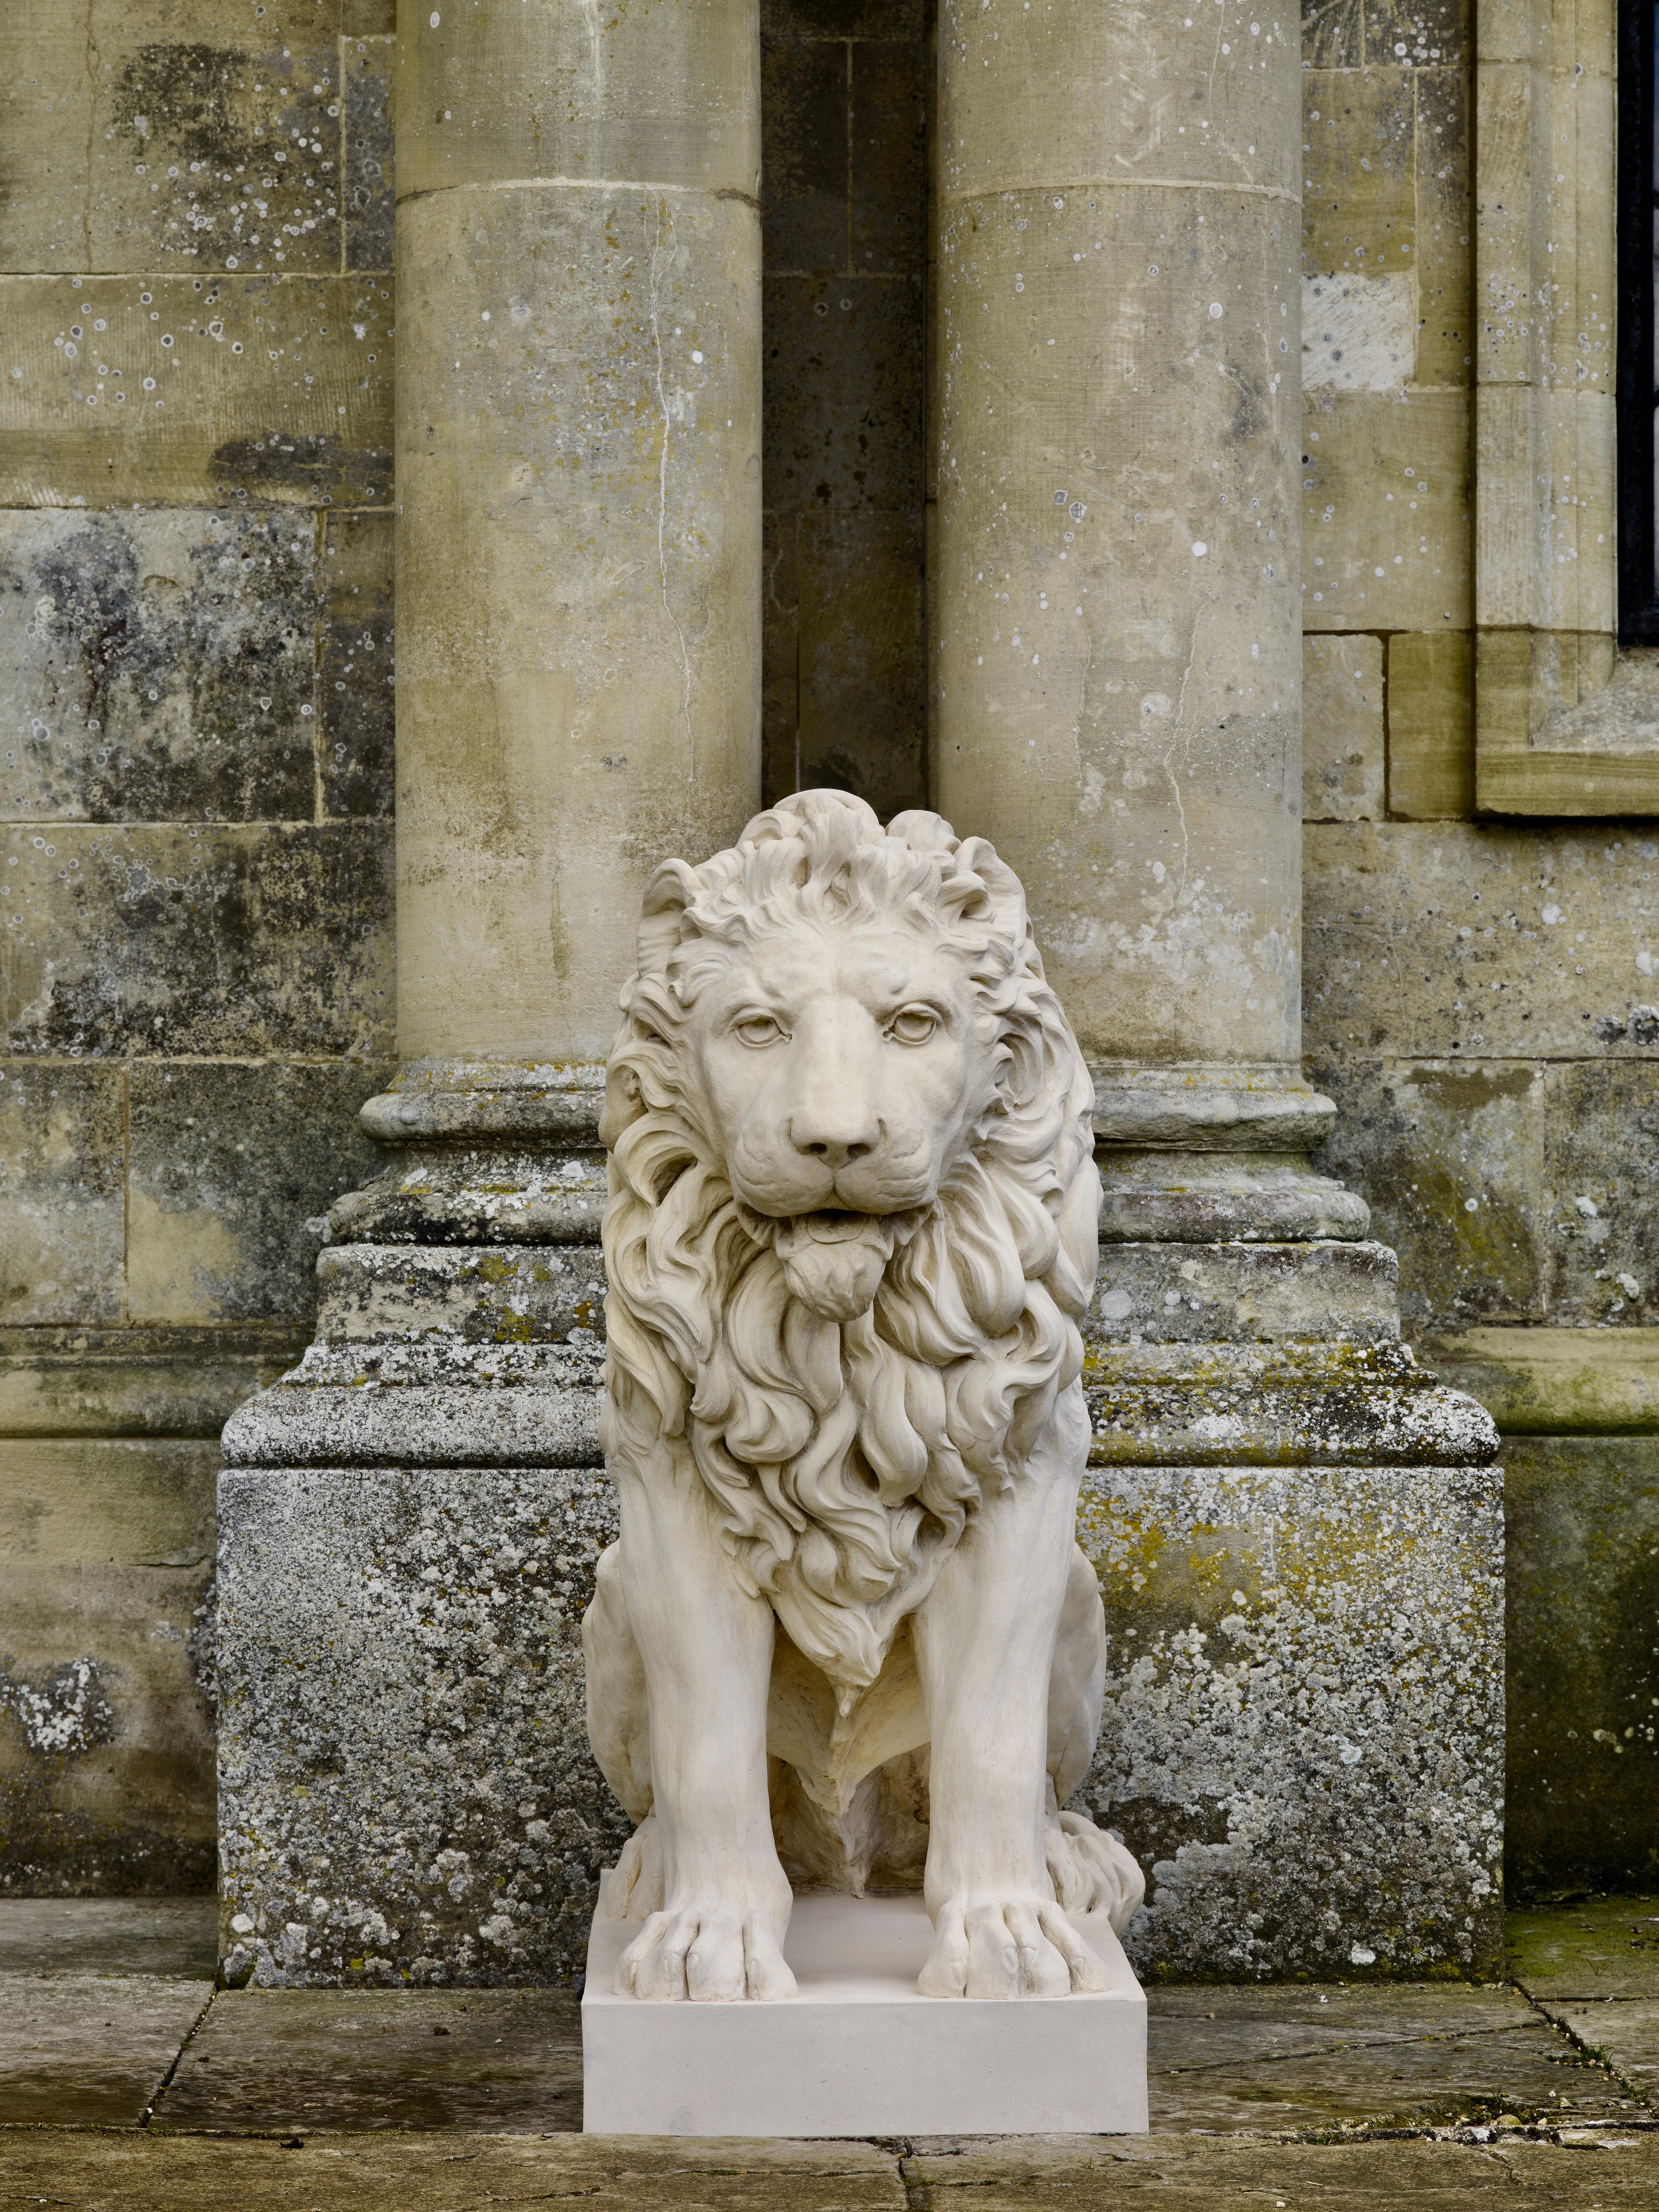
(195, 697)
(1480, 994)
(195, 910)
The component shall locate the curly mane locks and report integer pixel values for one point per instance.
(845, 1456)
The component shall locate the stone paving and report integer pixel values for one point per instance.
(127, 2081)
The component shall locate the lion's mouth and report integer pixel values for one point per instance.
(836, 1226)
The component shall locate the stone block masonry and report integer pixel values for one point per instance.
(1480, 1005)
(1480, 994)
(107, 1660)
(195, 853)
(270, 948)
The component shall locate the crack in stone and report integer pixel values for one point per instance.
(665, 208)
(1179, 736)
(92, 126)
(1333, 2049)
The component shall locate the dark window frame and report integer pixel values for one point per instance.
(1637, 372)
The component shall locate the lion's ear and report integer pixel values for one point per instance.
(668, 894)
(980, 857)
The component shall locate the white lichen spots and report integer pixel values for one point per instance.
(63, 1712)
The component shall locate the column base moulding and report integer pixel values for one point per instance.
(426, 1404)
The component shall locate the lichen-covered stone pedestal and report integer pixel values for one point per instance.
(406, 1793)
(1299, 1538)
(408, 1524)
(1298, 1534)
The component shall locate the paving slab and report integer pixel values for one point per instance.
(1219, 2024)
(177, 1935)
(84, 2050)
(1531, 2073)
(1188, 2174)
(1605, 1947)
(1419, 2054)
(444, 2173)
(146, 2172)
(276, 2061)
(1622, 2031)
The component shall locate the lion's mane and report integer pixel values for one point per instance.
(846, 1458)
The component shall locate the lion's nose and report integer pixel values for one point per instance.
(837, 1147)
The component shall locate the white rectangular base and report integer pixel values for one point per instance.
(858, 2052)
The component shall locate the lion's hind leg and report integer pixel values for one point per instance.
(619, 1730)
(1091, 1870)
(635, 1890)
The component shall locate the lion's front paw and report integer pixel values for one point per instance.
(1091, 1871)
(992, 1946)
(709, 1952)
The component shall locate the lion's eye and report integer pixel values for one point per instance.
(914, 1025)
(757, 1028)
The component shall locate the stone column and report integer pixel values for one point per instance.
(579, 555)
(1298, 1533)
(408, 1520)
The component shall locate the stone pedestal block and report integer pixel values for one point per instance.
(1303, 1734)
(857, 2051)
(406, 1792)
(1303, 1740)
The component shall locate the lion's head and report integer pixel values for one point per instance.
(854, 1206)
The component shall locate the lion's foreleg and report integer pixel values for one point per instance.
(705, 1646)
(985, 1646)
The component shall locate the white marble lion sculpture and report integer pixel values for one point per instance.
(845, 1638)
